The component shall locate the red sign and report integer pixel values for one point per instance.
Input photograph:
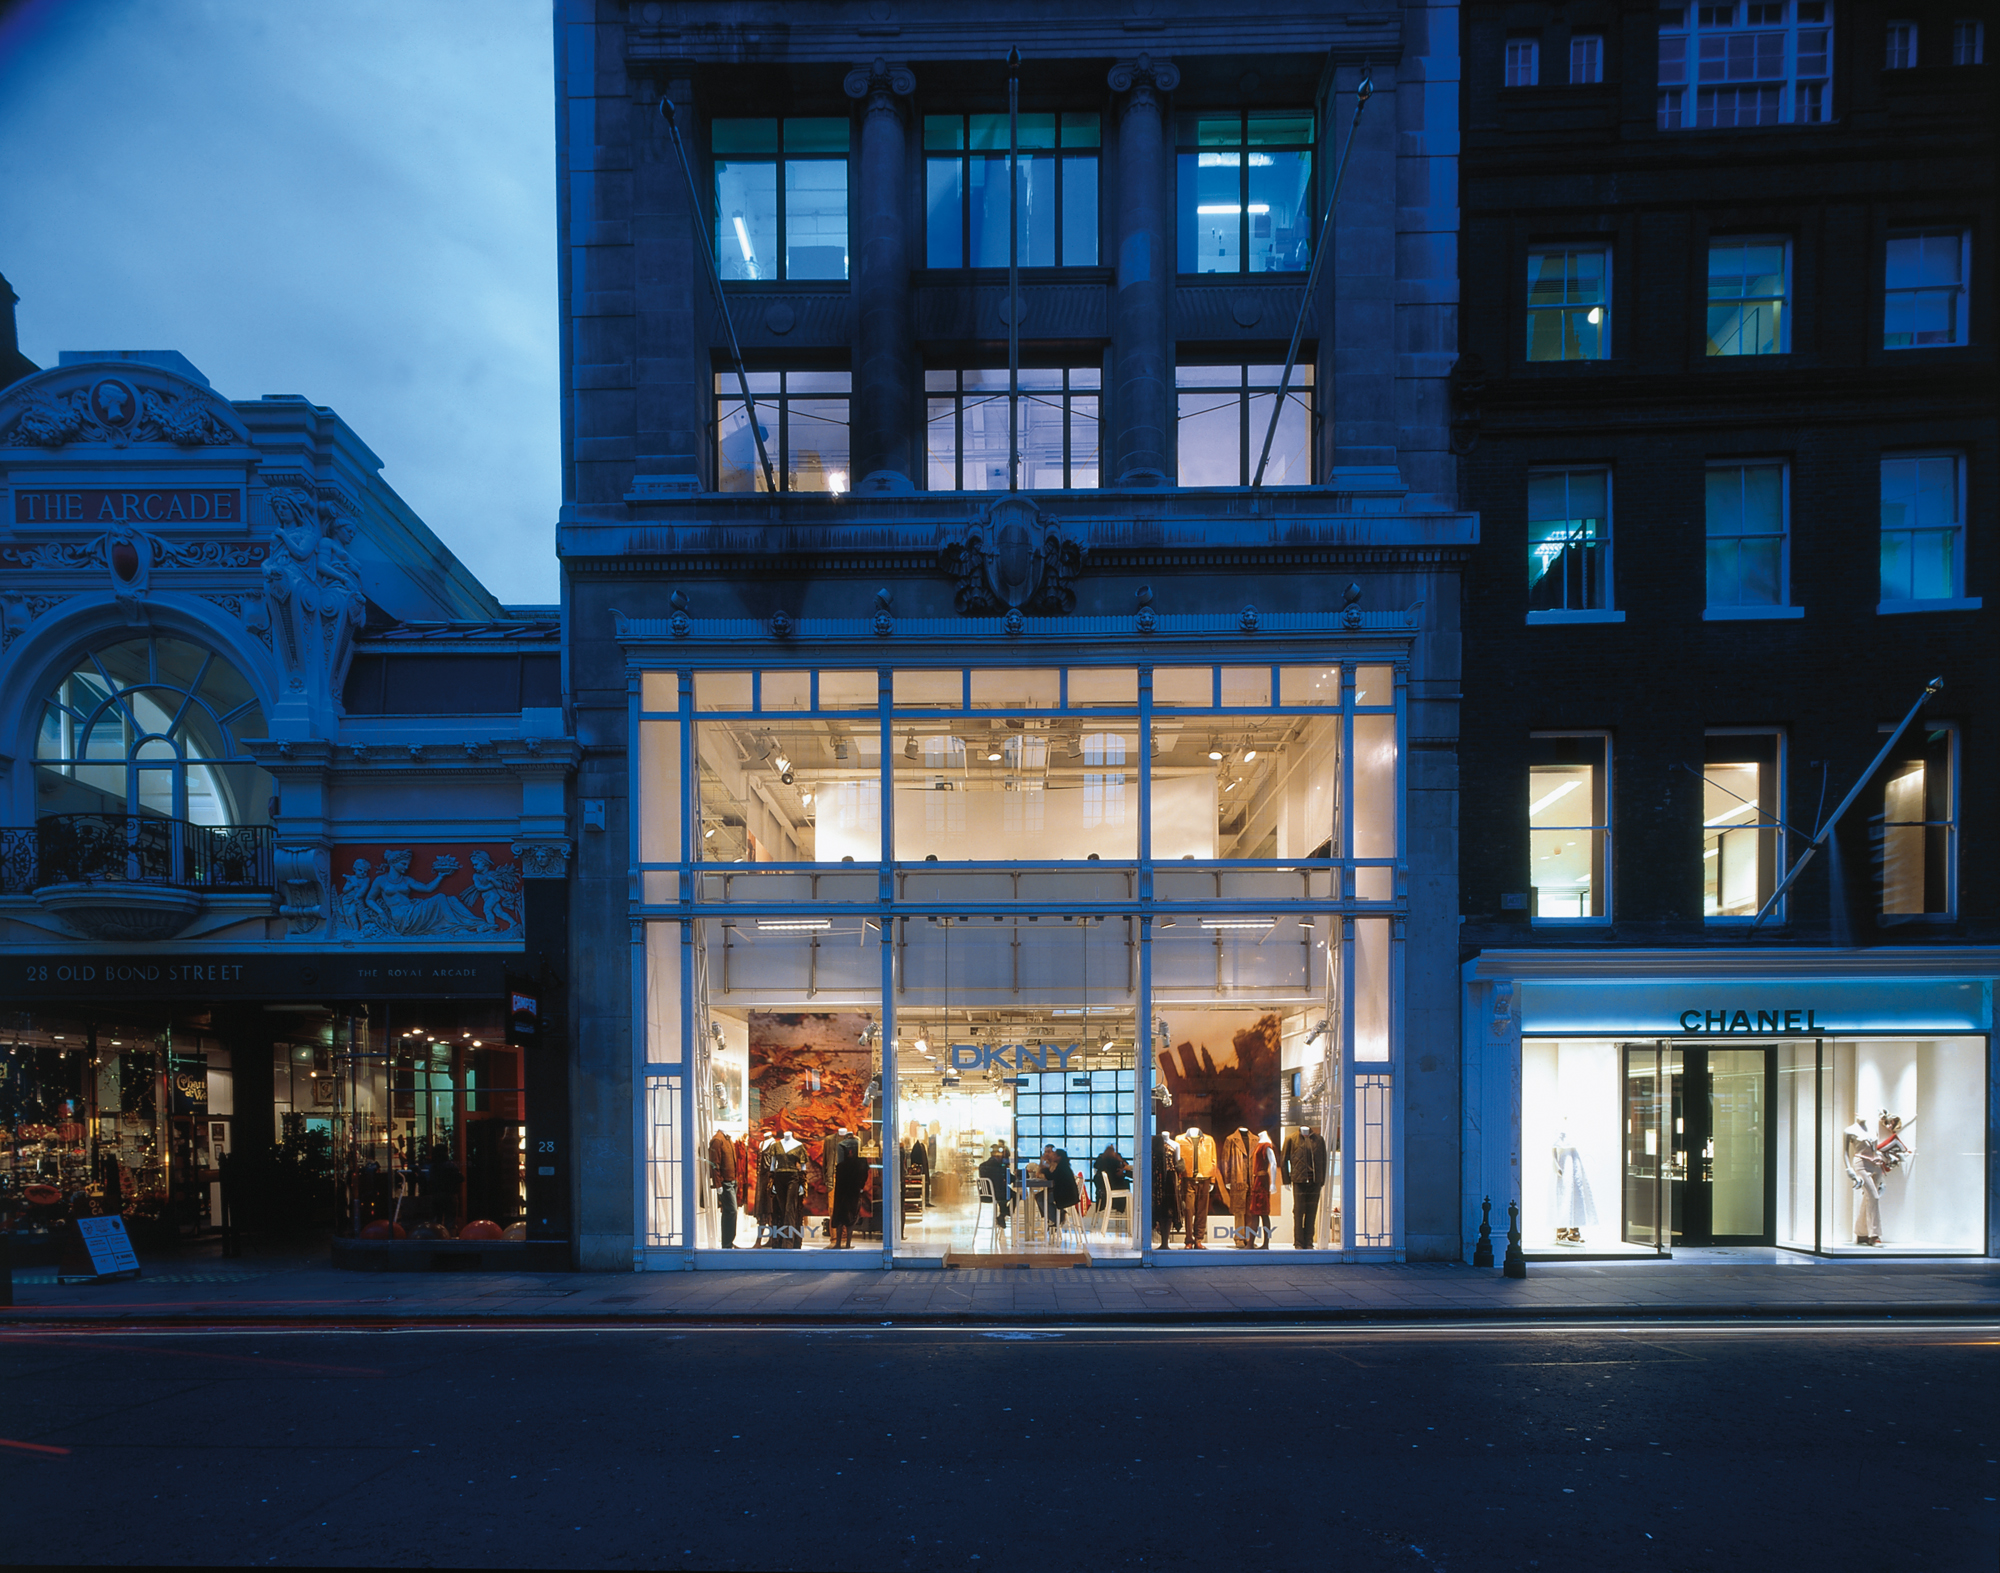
(139, 505)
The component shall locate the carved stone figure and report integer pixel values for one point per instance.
(305, 889)
(313, 595)
(498, 886)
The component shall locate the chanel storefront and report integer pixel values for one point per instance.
(1829, 1102)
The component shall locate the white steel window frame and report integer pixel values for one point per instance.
(1899, 45)
(1776, 824)
(1609, 829)
(1609, 612)
(1784, 299)
(1735, 611)
(1379, 1081)
(1953, 822)
(1960, 602)
(1523, 62)
(1586, 59)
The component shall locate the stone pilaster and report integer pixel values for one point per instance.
(885, 362)
(1142, 376)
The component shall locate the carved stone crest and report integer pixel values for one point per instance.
(113, 410)
(543, 859)
(1013, 560)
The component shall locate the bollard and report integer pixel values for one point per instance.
(6, 1267)
(1516, 1265)
(1482, 1253)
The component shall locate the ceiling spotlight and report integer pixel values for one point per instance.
(783, 764)
(1249, 754)
(1215, 753)
(993, 756)
(806, 798)
(840, 749)
(910, 746)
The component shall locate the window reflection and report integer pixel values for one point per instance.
(1224, 414)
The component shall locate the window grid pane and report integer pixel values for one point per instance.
(1921, 524)
(803, 417)
(1765, 62)
(1055, 191)
(1569, 310)
(758, 219)
(966, 442)
(1244, 192)
(1746, 535)
(1746, 297)
(1569, 541)
(1224, 413)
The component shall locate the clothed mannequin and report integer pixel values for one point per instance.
(1305, 1172)
(788, 1192)
(767, 1151)
(722, 1180)
(1198, 1177)
(1866, 1167)
(1575, 1208)
(831, 1153)
(850, 1175)
(1239, 1149)
(1166, 1187)
(1264, 1183)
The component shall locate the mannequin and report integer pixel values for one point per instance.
(1198, 1178)
(1166, 1187)
(767, 1151)
(1574, 1206)
(832, 1152)
(1305, 1172)
(788, 1192)
(843, 1191)
(1264, 1184)
(722, 1179)
(1870, 1156)
(1239, 1151)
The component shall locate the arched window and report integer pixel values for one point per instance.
(152, 726)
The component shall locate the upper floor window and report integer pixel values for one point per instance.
(966, 436)
(1224, 413)
(1586, 57)
(1745, 63)
(1923, 288)
(152, 726)
(1523, 62)
(772, 228)
(1900, 53)
(1739, 823)
(1746, 535)
(1923, 528)
(1569, 826)
(802, 416)
(1915, 831)
(1569, 541)
(1569, 303)
(1748, 283)
(1244, 197)
(965, 191)
(1968, 42)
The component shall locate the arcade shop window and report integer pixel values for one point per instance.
(965, 190)
(966, 437)
(803, 418)
(1224, 412)
(1569, 826)
(1915, 830)
(789, 228)
(1245, 200)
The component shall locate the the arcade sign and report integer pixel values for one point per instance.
(130, 505)
(1011, 1056)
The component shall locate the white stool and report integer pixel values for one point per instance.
(985, 1215)
(1111, 1213)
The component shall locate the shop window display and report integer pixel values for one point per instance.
(1903, 1144)
(1569, 1145)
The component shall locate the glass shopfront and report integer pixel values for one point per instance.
(989, 961)
(1843, 1143)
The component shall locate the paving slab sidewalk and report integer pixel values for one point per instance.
(306, 1290)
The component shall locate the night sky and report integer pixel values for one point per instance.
(353, 200)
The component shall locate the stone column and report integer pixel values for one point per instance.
(885, 369)
(1142, 359)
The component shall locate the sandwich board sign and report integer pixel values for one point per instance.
(108, 1249)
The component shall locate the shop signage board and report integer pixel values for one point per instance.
(108, 1248)
(49, 975)
(1772, 1008)
(97, 505)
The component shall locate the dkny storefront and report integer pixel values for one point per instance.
(1838, 1103)
(1091, 948)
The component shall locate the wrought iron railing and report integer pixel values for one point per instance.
(84, 849)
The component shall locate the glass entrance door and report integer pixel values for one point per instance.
(1699, 1158)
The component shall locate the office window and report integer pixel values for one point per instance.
(1745, 63)
(1923, 528)
(1569, 826)
(1245, 191)
(803, 416)
(1224, 412)
(1569, 303)
(1523, 62)
(1740, 849)
(770, 228)
(1586, 57)
(966, 428)
(965, 190)
(1901, 51)
(1916, 831)
(1569, 540)
(1748, 282)
(1923, 288)
(1968, 43)
(1746, 535)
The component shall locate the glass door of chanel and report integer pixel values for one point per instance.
(1700, 1164)
(1655, 1176)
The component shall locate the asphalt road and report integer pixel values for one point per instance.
(1679, 1447)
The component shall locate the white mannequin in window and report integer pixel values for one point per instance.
(1575, 1208)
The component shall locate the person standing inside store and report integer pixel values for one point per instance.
(995, 1172)
(1063, 1192)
